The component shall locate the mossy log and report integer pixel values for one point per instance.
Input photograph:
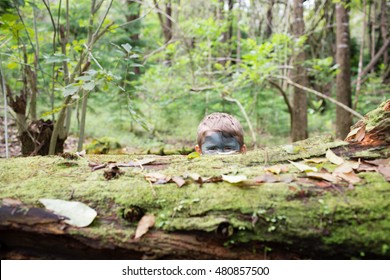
(284, 215)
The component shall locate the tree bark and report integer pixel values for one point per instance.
(268, 27)
(343, 79)
(299, 130)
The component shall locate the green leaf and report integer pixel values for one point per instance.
(70, 90)
(193, 155)
(89, 86)
(56, 58)
(127, 47)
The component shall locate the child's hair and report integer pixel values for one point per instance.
(220, 122)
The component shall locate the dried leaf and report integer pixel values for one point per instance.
(193, 176)
(303, 167)
(347, 167)
(350, 177)
(333, 158)
(367, 167)
(266, 178)
(78, 214)
(276, 169)
(378, 162)
(11, 202)
(179, 181)
(316, 160)
(143, 226)
(137, 163)
(213, 179)
(356, 135)
(385, 171)
(324, 176)
(234, 179)
(157, 178)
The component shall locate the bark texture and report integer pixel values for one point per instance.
(343, 79)
(299, 130)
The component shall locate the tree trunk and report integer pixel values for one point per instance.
(343, 79)
(299, 118)
(268, 27)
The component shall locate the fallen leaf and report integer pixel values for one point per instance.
(78, 214)
(316, 160)
(356, 135)
(144, 224)
(333, 158)
(277, 169)
(179, 181)
(137, 163)
(193, 155)
(193, 176)
(266, 178)
(157, 178)
(303, 167)
(323, 184)
(213, 179)
(347, 167)
(385, 171)
(350, 177)
(11, 202)
(287, 178)
(234, 179)
(324, 176)
(378, 162)
(367, 167)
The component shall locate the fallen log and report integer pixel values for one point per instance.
(298, 201)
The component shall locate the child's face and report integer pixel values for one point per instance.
(219, 143)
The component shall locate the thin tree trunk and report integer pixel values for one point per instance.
(385, 28)
(5, 109)
(299, 128)
(268, 27)
(343, 79)
(359, 77)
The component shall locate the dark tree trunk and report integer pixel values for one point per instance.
(343, 79)
(299, 117)
(268, 27)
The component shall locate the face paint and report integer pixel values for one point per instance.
(218, 143)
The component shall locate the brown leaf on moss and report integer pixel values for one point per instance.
(385, 171)
(179, 181)
(266, 178)
(316, 160)
(144, 224)
(323, 176)
(11, 202)
(157, 178)
(333, 158)
(350, 177)
(357, 134)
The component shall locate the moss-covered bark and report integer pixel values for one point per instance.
(293, 217)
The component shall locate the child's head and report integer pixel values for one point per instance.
(220, 133)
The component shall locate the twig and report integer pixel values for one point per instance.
(5, 109)
(353, 112)
(245, 116)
